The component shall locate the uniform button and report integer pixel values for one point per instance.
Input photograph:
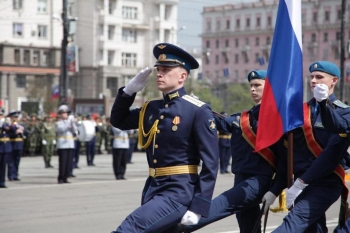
(154, 161)
(156, 146)
(162, 117)
(158, 131)
(166, 106)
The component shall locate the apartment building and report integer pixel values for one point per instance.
(116, 40)
(237, 38)
(30, 38)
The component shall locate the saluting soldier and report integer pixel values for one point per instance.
(224, 149)
(317, 155)
(16, 137)
(48, 137)
(65, 130)
(177, 132)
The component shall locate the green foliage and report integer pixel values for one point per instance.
(206, 95)
(238, 98)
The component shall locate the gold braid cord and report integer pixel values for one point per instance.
(282, 206)
(151, 133)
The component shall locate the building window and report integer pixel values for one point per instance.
(111, 31)
(247, 41)
(112, 85)
(26, 57)
(313, 37)
(228, 24)
(217, 43)
(45, 61)
(236, 58)
(314, 17)
(208, 26)
(338, 36)
(303, 18)
(111, 6)
(339, 16)
(326, 15)
(42, 6)
(110, 57)
(17, 29)
(268, 40)
(216, 59)
(208, 44)
(257, 57)
(238, 23)
(227, 43)
(21, 81)
(17, 4)
(129, 59)
(17, 56)
(36, 58)
(258, 21)
(236, 42)
(325, 37)
(42, 31)
(325, 54)
(129, 12)
(257, 41)
(129, 35)
(269, 21)
(218, 25)
(247, 22)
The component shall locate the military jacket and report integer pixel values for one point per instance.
(244, 159)
(48, 131)
(5, 143)
(186, 134)
(65, 130)
(17, 138)
(335, 146)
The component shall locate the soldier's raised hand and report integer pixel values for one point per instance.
(321, 92)
(138, 82)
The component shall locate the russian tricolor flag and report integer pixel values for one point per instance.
(281, 107)
(55, 92)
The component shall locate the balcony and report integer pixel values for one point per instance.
(245, 48)
(225, 49)
(312, 45)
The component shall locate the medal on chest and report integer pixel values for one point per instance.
(175, 122)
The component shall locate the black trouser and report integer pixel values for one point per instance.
(64, 163)
(119, 162)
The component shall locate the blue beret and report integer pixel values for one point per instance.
(171, 55)
(325, 66)
(257, 74)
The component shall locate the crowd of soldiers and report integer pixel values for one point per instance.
(32, 135)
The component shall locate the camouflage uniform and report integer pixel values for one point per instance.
(48, 136)
(33, 134)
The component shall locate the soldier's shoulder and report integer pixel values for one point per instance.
(340, 104)
(193, 100)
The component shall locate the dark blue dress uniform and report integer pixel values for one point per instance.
(224, 149)
(5, 150)
(253, 177)
(17, 144)
(324, 186)
(184, 133)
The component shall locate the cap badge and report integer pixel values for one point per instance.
(315, 66)
(162, 57)
(253, 74)
(161, 46)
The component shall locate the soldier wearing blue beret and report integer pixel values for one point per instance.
(317, 159)
(177, 132)
(253, 171)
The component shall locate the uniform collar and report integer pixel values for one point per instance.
(174, 94)
(254, 111)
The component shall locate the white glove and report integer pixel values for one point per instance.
(71, 118)
(270, 198)
(54, 142)
(43, 142)
(190, 218)
(294, 191)
(321, 92)
(138, 82)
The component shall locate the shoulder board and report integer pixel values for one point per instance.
(193, 100)
(340, 104)
(236, 121)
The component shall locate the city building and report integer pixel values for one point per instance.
(30, 41)
(237, 38)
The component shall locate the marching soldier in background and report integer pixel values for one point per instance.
(120, 150)
(16, 138)
(99, 128)
(108, 136)
(39, 125)
(65, 130)
(24, 121)
(33, 133)
(132, 142)
(77, 142)
(5, 146)
(48, 137)
(224, 149)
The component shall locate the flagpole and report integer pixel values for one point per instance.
(290, 159)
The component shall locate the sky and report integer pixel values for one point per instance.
(190, 18)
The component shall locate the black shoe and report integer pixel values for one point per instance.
(60, 181)
(51, 166)
(16, 179)
(10, 179)
(92, 165)
(72, 176)
(3, 186)
(66, 182)
(76, 167)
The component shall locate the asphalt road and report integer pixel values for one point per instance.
(94, 202)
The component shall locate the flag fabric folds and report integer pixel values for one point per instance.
(55, 92)
(281, 107)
